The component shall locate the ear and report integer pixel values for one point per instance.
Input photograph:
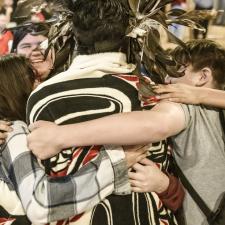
(205, 77)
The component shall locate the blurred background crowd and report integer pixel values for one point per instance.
(215, 29)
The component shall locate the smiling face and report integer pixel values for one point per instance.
(33, 47)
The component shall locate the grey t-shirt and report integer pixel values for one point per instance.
(204, 3)
(200, 152)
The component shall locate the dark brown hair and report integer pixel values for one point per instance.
(16, 82)
(203, 53)
(99, 25)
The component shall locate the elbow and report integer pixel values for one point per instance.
(164, 133)
(156, 132)
(163, 129)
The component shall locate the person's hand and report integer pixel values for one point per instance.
(4, 129)
(42, 140)
(181, 93)
(135, 153)
(148, 177)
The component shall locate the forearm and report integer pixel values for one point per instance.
(212, 97)
(139, 127)
(120, 129)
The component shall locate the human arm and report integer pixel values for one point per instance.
(147, 177)
(191, 95)
(47, 198)
(139, 127)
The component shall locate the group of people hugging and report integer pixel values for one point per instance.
(83, 146)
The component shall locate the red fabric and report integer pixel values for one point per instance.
(6, 221)
(173, 197)
(40, 17)
(178, 2)
(4, 40)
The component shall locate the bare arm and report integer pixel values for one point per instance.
(140, 127)
(191, 95)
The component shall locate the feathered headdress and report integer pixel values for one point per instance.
(146, 17)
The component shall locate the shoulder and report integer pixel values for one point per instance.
(169, 107)
(173, 114)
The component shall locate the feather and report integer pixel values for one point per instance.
(144, 47)
(145, 19)
(134, 6)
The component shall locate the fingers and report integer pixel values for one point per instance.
(141, 150)
(132, 147)
(38, 124)
(35, 125)
(147, 162)
(175, 96)
(169, 96)
(169, 92)
(160, 89)
(138, 158)
(135, 183)
(175, 99)
(138, 167)
(133, 175)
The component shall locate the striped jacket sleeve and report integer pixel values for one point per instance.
(46, 199)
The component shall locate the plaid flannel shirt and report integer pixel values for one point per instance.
(46, 198)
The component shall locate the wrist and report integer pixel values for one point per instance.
(61, 136)
(202, 96)
(163, 185)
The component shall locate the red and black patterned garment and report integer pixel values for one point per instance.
(87, 98)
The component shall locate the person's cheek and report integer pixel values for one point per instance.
(25, 53)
